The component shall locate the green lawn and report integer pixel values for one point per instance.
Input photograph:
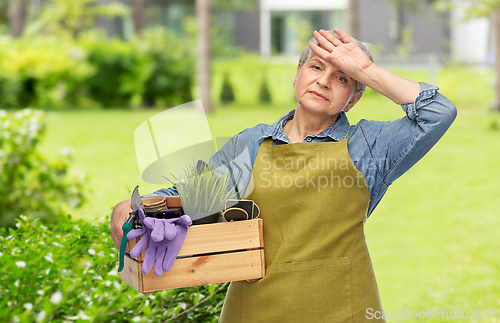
(433, 238)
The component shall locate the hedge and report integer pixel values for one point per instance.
(249, 80)
(66, 272)
(157, 69)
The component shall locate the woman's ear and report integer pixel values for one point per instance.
(296, 75)
(354, 99)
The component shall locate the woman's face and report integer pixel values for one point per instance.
(321, 88)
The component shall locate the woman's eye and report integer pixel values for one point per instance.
(341, 79)
(317, 68)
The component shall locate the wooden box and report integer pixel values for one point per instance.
(211, 253)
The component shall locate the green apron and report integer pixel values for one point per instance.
(314, 203)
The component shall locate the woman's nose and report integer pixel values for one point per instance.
(323, 81)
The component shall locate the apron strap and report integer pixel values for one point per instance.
(268, 142)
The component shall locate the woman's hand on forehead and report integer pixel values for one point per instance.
(348, 57)
(344, 55)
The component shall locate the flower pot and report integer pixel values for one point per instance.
(203, 218)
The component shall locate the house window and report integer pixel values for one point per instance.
(291, 30)
(277, 37)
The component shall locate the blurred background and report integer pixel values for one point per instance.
(78, 77)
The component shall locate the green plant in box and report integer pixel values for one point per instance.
(203, 190)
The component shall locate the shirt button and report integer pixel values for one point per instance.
(309, 139)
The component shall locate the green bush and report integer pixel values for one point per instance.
(29, 183)
(42, 73)
(9, 89)
(156, 69)
(67, 272)
(171, 77)
(121, 72)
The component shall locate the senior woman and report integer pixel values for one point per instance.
(317, 179)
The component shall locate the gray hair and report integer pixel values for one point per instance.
(307, 53)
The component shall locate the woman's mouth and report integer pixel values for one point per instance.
(318, 95)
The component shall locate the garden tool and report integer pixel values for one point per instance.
(232, 175)
(247, 181)
(163, 239)
(127, 226)
(239, 193)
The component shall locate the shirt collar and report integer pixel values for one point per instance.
(337, 131)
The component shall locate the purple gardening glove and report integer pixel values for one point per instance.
(163, 238)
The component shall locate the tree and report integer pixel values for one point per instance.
(203, 13)
(17, 17)
(13, 13)
(137, 16)
(203, 55)
(69, 18)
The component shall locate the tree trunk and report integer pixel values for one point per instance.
(17, 17)
(137, 16)
(352, 18)
(203, 55)
(496, 34)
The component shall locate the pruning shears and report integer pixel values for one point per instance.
(137, 204)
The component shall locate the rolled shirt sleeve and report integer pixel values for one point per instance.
(428, 118)
(392, 148)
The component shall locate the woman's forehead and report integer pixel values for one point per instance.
(315, 58)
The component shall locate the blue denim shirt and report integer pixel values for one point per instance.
(382, 151)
